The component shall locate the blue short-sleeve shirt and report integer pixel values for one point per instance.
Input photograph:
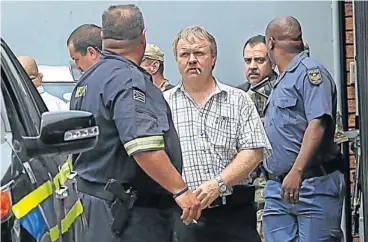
(132, 116)
(305, 91)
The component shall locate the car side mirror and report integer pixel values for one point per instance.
(66, 132)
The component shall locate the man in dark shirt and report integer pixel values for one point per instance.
(138, 145)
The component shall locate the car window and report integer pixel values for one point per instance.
(23, 93)
(5, 125)
(62, 90)
(12, 114)
(5, 141)
(12, 131)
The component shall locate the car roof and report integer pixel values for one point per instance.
(55, 73)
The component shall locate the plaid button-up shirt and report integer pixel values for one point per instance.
(211, 136)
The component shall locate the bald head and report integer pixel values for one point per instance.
(287, 31)
(30, 66)
(285, 28)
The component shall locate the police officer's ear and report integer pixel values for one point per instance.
(271, 43)
(102, 38)
(92, 52)
(142, 38)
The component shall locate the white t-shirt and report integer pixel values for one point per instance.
(53, 103)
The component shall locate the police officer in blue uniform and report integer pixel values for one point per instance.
(135, 131)
(305, 187)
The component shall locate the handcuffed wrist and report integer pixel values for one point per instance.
(175, 195)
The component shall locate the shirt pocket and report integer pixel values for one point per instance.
(220, 131)
(285, 111)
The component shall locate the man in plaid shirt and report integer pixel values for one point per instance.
(222, 140)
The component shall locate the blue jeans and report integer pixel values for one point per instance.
(316, 217)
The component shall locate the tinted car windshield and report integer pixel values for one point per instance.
(62, 90)
(60, 80)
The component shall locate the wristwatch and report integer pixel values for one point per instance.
(221, 185)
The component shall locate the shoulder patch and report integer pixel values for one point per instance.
(81, 91)
(139, 96)
(314, 76)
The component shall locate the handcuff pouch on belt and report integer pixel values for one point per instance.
(121, 206)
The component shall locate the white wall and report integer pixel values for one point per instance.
(40, 29)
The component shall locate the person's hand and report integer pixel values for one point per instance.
(291, 186)
(207, 193)
(190, 205)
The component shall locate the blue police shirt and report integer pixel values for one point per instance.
(305, 91)
(132, 116)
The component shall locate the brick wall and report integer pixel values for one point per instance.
(350, 86)
(350, 58)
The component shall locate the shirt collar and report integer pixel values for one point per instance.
(163, 83)
(220, 87)
(292, 65)
(108, 54)
(296, 61)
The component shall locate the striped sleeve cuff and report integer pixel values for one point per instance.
(144, 144)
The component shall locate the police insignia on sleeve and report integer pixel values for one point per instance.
(139, 96)
(81, 91)
(314, 76)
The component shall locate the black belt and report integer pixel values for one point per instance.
(313, 171)
(242, 194)
(159, 201)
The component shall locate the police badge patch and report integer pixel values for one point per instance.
(314, 76)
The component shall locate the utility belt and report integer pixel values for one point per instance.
(242, 194)
(159, 201)
(123, 199)
(313, 171)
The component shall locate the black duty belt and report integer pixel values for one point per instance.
(313, 171)
(159, 201)
(242, 194)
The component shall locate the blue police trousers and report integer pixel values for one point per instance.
(316, 217)
(145, 224)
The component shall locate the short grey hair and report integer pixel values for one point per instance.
(198, 32)
(122, 22)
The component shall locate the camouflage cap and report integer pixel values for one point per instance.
(153, 52)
